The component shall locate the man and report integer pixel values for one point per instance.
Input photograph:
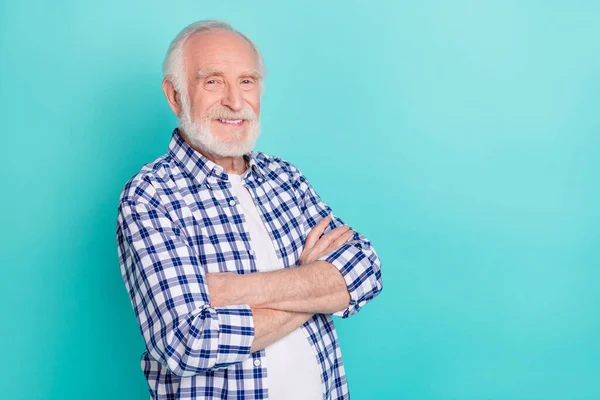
(233, 263)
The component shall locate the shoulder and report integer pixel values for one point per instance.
(141, 187)
(278, 167)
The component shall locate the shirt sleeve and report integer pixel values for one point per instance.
(168, 291)
(356, 259)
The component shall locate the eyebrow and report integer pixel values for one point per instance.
(252, 73)
(204, 72)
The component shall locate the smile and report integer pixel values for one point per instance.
(237, 122)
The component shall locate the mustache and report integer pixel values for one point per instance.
(222, 112)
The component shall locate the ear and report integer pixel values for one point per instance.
(173, 96)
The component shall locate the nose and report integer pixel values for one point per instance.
(232, 98)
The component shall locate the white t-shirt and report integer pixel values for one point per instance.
(293, 372)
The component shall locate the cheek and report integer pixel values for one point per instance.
(254, 102)
(201, 105)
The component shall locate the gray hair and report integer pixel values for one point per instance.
(173, 65)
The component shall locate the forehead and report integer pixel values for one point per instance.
(220, 50)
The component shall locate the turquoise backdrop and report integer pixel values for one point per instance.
(461, 137)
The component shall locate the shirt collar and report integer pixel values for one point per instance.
(198, 166)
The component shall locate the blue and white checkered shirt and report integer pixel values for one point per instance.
(179, 219)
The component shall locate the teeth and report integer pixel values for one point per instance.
(231, 121)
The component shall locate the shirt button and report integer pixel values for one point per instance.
(232, 202)
(252, 252)
(208, 185)
(259, 179)
(256, 362)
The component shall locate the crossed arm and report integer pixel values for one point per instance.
(194, 322)
(283, 300)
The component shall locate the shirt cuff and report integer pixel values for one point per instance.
(347, 259)
(236, 334)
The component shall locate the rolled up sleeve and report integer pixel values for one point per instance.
(168, 291)
(356, 259)
(361, 269)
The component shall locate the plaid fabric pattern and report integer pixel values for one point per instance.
(177, 220)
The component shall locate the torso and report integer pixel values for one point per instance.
(292, 368)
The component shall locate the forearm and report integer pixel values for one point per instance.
(270, 325)
(317, 287)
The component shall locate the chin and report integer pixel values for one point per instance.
(213, 144)
(232, 150)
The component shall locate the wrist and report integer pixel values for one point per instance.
(254, 289)
(237, 289)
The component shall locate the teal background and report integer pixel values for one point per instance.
(460, 137)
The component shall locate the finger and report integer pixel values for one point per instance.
(320, 249)
(335, 233)
(336, 244)
(316, 231)
(324, 241)
(327, 239)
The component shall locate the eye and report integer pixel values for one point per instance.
(213, 80)
(213, 83)
(247, 81)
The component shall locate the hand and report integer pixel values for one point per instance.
(315, 247)
(222, 288)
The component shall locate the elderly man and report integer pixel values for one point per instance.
(233, 264)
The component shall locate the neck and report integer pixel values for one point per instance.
(233, 165)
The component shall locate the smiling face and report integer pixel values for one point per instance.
(221, 110)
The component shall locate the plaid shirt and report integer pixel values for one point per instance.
(179, 219)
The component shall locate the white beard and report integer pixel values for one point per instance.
(200, 134)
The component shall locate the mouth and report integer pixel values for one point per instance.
(231, 122)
